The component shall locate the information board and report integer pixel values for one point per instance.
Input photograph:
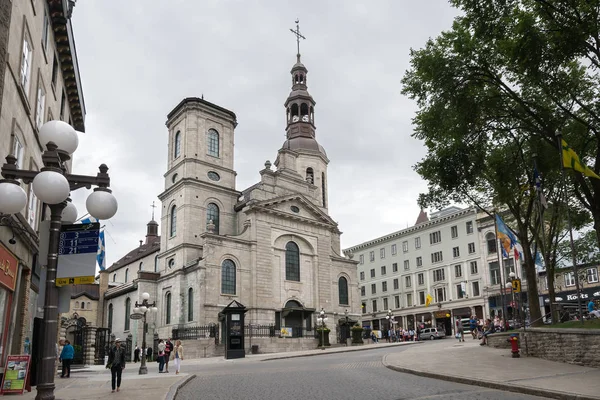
(77, 251)
(16, 373)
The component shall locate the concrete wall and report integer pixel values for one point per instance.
(203, 348)
(573, 346)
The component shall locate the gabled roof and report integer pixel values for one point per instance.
(139, 252)
(422, 217)
(320, 217)
(91, 291)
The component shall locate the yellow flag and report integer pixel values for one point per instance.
(428, 300)
(571, 160)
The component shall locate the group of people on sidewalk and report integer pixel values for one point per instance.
(139, 352)
(169, 352)
(166, 351)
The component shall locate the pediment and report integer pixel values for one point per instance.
(295, 207)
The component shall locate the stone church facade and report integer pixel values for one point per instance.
(272, 247)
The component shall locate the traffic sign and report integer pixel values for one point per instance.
(516, 285)
(80, 280)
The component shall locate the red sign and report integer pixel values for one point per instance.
(16, 374)
(8, 269)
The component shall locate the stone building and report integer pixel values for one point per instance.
(273, 246)
(39, 81)
(437, 257)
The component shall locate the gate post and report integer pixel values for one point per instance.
(90, 348)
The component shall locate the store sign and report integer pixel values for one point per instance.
(8, 269)
(15, 374)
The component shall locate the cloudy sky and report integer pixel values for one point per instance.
(139, 58)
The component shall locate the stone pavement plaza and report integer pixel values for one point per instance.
(444, 359)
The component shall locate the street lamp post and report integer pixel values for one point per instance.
(321, 320)
(347, 327)
(391, 322)
(52, 185)
(143, 308)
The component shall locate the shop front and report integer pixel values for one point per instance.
(424, 320)
(443, 321)
(8, 279)
(568, 299)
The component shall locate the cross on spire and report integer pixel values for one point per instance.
(298, 37)
(153, 207)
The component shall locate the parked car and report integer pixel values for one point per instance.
(431, 334)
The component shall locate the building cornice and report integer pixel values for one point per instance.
(416, 228)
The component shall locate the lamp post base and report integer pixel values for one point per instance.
(143, 369)
(45, 391)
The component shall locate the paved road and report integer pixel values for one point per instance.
(344, 376)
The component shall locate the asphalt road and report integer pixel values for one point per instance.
(343, 376)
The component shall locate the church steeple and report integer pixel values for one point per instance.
(300, 106)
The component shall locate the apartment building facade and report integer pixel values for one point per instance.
(39, 81)
(437, 258)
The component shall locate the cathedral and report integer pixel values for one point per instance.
(272, 247)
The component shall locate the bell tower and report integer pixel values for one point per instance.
(301, 154)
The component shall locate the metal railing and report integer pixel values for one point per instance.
(196, 332)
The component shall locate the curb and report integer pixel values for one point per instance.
(349, 350)
(174, 389)
(491, 384)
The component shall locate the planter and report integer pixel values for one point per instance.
(357, 336)
(323, 336)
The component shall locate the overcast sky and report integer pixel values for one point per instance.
(139, 58)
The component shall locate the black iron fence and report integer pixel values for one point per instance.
(196, 332)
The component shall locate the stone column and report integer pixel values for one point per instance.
(90, 348)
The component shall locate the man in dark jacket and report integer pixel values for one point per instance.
(168, 349)
(116, 360)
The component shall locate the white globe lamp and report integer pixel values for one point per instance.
(51, 187)
(12, 198)
(62, 134)
(143, 309)
(154, 309)
(69, 214)
(145, 296)
(136, 310)
(101, 204)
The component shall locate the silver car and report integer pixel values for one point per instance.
(431, 334)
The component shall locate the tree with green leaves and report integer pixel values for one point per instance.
(495, 90)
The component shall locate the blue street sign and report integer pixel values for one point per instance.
(79, 239)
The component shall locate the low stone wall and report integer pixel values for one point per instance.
(573, 346)
(201, 348)
(500, 340)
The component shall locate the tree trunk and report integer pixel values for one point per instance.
(535, 314)
(552, 296)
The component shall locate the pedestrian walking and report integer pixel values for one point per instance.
(178, 355)
(136, 354)
(149, 353)
(460, 334)
(66, 358)
(116, 362)
(161, 356)
(168, 349)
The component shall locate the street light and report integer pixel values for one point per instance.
(321, 320)
(52, 185)
(347, 327)
(143, 308)
(391, 322)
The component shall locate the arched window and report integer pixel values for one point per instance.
(323, 192)
(304, 109)
(343, 291)
(292, 262)
(114, 277)
(177, 145)
(310, 175)
(141, 265)
(110, 317)
(212, 214)
(173, 221)
(83, 304)
(228, 277)
(490, 239)
(168, 308)
(295, 110)
(213, 143)
(190, 305)
(126, 274)
(127, 311)
(312, 114)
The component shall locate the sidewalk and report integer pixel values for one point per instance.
(472, 364)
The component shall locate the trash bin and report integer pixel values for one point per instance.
(254, 349)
